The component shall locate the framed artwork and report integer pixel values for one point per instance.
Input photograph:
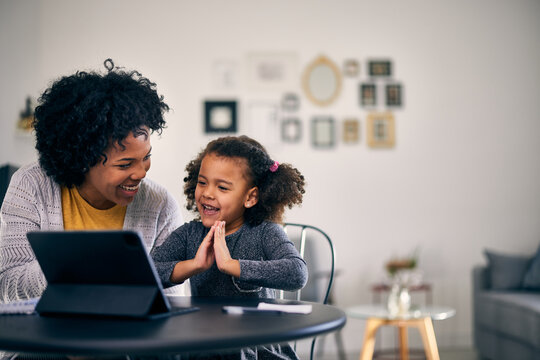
(368, 94)
(262, 122)
(322, 81)
(272, 71)
(323, 131)
(393, 95)
(351, 131)
(380, 68)
(381, 131)
(225, 74)
(220, 116)
(290, 102)
(291, 130)
(351, 68)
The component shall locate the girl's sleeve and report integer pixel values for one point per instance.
(20, 274)
(170, 252)
(283, 267)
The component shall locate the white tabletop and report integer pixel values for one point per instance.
(416, 312)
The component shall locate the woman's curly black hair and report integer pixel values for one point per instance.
(81, 115)
(277, 190)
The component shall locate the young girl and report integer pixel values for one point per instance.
(236, 247)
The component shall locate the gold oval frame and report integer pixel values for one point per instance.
(321, 60)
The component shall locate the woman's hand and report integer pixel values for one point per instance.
(224, 262)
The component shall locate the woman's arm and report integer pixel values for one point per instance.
(20, 274)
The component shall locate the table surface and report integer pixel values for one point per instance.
(416, 312)
(207, 329)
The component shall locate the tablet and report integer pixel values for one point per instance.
(99, 273)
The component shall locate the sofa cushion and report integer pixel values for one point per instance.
(531, 280)
(514, 314)
(506, 271)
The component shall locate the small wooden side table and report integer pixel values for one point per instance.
(421, 318)
(380, 292)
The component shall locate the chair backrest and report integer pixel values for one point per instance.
(317, 249)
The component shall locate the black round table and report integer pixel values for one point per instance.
(208, 329)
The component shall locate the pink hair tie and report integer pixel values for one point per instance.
(274, 166)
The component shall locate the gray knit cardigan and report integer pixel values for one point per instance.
(33, 202)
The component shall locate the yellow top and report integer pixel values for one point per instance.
(80, 215)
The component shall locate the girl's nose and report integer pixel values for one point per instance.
(207, 191)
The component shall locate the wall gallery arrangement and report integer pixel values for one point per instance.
(321, 83)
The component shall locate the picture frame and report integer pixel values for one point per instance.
(322, 81)
(291, 130)
(225, 74)
(323, 132)
(262, 122)
(368, 94)
(381, 131)
(351, 131)
(290, 102)
(380, 68)
(220, 116)
(393, 94)
(351, 68)
(272, 71)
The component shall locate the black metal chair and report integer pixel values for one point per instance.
(317, 249)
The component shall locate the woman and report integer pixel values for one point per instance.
(93, 141)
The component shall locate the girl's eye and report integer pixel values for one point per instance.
(124, 166)
(200, 182)
(147, 156)
(222, 188)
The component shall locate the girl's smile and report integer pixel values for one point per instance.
(223, 191)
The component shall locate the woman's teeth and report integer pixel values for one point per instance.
(130, 188)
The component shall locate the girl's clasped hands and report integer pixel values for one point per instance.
(214, 249)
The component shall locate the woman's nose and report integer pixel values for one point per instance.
(140, 172)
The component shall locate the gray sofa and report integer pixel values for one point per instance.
(507, 321)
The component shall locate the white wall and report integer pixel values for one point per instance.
(463, 176)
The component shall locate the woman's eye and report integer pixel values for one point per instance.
(147, 156)
(124, 166)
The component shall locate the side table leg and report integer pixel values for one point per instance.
(403, 343)
(425, 326)
(372, 325)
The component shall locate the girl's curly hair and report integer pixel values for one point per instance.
(81, 115)
(277, 190)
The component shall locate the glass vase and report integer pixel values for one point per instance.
(399, 300)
